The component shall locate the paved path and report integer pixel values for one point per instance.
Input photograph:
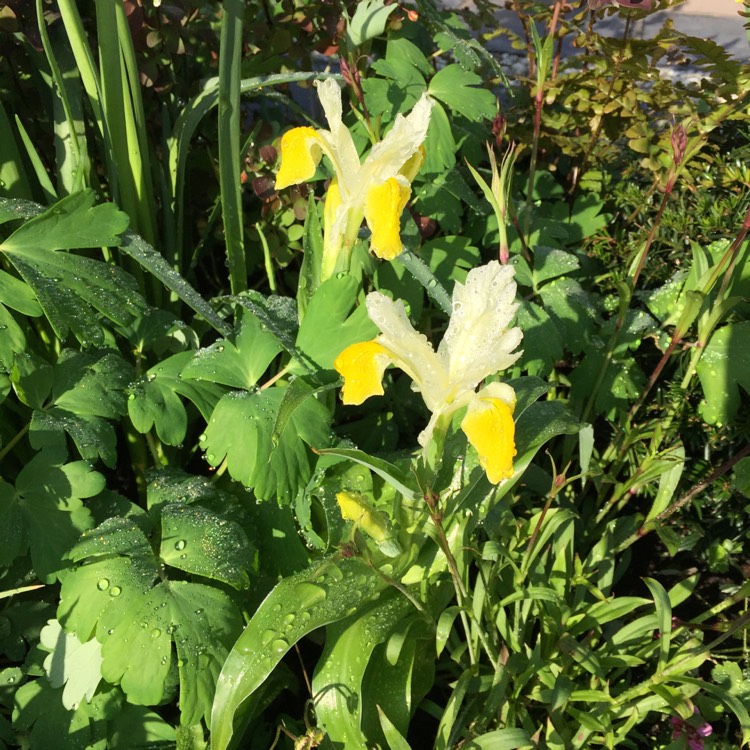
(714, 19)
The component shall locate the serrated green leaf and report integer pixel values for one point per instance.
(197, 541)
(395, 89)
(38, 710)
(329, 591)
(113, 593)
(573, 310)
(201, 621)
(46, 511)
(93, 437)
(369, 21)
(91, 383)
(18, 296)
(119, 567)
(456, 88)
(549, 263)
(32, 379)
(86, 387)
(241, 430)
(72, 664)
(277, 314)
(330, 310)
(72, 288)
(72, 223)
(154, 400)
(13, 339)
(723, 369)
(239, 363)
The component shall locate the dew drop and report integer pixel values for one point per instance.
(180, 544)
(155, 633)
(102, 584)
(115, 591)
(280, 646)
(267, 637)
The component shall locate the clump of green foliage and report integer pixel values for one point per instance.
(176, 567)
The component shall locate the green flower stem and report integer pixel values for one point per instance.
(9, 446)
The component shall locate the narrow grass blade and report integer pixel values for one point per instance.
(229, 142)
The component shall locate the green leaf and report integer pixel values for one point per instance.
(73, 222)
(197, 541)
(87, 388)
(13, 340)
(242, 430)
(72, 288)
(549, 263)
(723, 369)
(501, 739)
(119, 567)
(388, 471)
(71, 663)
(329, 591)
(394, 738)
(369, 21)
(330, 310)
(312, 246)
(456, 88)
(542, 343)
(154, 400)
(18, 296)
(573, 310)
(38, 710)
(45, 511)
(137, 248)
(278, 315)
(664, 616)
(201, 622)
(113, 592)
(341, 668)
(239, 363)
(32, 379)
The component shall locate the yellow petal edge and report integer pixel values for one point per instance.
(300, 155)
(490, 428)
(362, 366)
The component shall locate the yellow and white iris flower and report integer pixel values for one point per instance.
(479, 342)
(376, 190)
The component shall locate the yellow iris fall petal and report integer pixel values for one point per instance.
(362, 367)
(383, 209)
(489, 426)
(300, 155)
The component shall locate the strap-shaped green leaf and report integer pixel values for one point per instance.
(330, 591)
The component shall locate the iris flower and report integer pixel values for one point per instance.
(376, 190)
(479, 342)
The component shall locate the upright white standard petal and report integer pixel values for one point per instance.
(478, 342)
(410, 350)
(343, 152)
